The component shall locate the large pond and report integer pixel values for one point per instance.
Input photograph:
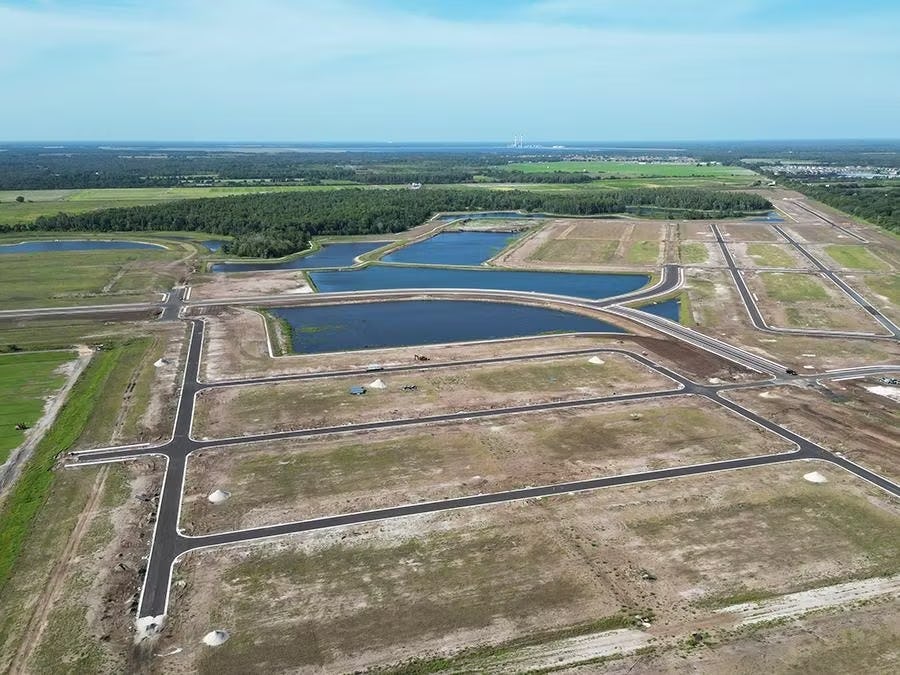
(73, 245)
(390, 277)
(453, 248)
(668, 309)
(420, 322)
(330, 255)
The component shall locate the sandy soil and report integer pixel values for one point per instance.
(842, 416)
(279, 481)
(225, 412)
(382, 593)
(583, 244)
(239, 284)
(744, 259)
(837, 312)
(718, 311)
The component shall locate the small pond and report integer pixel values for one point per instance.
(668, 309)
(453, 248)
(391, 277)
(73, 245)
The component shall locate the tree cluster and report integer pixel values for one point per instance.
(273, 224)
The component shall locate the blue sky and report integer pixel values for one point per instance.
(397, 70)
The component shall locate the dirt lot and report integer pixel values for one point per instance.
(749, 232)
(755, 255)
(791, 300)
(712, 290)
(591, 244)
(842, 416)
(296, 479)
(817, 233)
(237, 284)
(250, 409)
(384, 593)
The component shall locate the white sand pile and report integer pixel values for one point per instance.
(892, 393)
(768, 394)
(146, 627)
(815, 477)
(218, 496)
(714, 380)
(377, 384)
(596, 360)
(215, 638)
(161, 362)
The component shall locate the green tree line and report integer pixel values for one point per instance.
(271, 225)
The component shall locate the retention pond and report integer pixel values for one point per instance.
(329, 328)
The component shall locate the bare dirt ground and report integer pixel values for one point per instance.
(843, 416)
(734, 232)
(590, 244)
(295, 479)
(718, 311)
(748, 255)
(825, 307)
(225, 412)
(238, 284)
(672, 552)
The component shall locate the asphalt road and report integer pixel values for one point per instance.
(756, 316)
(168, 543)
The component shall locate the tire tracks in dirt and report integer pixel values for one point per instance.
(37, 624)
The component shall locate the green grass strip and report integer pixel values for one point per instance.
(30, 492)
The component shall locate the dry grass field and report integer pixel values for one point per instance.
(411, 591)
(271, 482)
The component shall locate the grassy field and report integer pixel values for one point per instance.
(285, 480)
(30, 491)
(771, 255)
(631, 169)
(856, 258)
(407, 595)
(86, 277)
(642, 253)
(231, 411)
(578, 251)
(693, 253)
(887, 285)
(25, 381)
(50, 202)
(793, 287)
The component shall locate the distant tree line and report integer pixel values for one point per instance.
(274, 224)
(876, 202)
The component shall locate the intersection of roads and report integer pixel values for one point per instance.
(169, 543)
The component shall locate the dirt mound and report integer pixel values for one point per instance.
(596, 360)
(215, 638)
(218, 496)
(377, 384)
(815, 477)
